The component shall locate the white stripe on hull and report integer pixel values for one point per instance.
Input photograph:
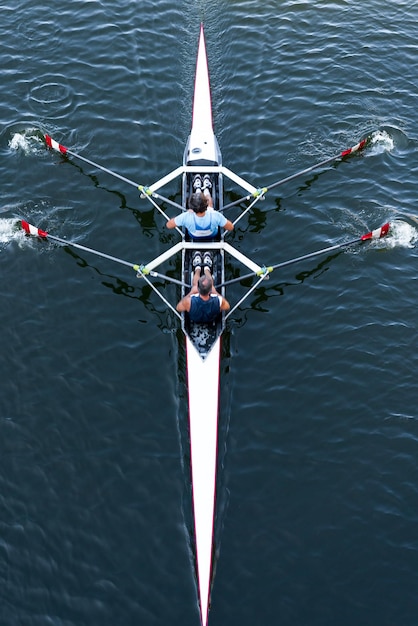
(203, 389)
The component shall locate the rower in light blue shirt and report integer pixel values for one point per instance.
(201, 220)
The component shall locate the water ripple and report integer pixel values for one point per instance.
(54, 98)
(40, 32)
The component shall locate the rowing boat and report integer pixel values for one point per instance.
(202, 156)
(203, 344)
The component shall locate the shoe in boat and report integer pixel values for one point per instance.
(197, 182)
(207, 183)
(207, 261)
(196, 260)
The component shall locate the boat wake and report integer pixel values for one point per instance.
(28, 141)
(381, 141)
(10, 230)
(402, 233)
(387, 139)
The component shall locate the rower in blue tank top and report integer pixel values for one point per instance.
(203, 302)
(201, 220)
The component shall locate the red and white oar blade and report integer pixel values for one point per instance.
(359, 146)
(32, 230)
(51, 143)
(378, 233)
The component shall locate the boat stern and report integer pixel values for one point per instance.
(203, 390)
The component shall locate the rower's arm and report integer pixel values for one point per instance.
(225, 306)
(184, 304)
(171, 223)
(229, 225)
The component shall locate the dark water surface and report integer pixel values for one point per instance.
(317, 509)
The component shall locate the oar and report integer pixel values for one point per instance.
(263, 190)
(378, 233)
(54, 145)
(141, 270)
(37, 232)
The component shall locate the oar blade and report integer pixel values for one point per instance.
(54, 145)
(33, 230)
(378, 233)
(359, 146)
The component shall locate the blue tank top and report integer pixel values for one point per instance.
(204, 311)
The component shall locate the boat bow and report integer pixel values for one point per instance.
(202, 145)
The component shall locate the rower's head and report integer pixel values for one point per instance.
(198, 202)
(204, 285)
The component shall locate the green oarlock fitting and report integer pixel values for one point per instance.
(264, 270)
(145, 191)
(260, 192)
(141, 270)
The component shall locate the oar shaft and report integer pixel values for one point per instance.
(378, 233)
(54, 145)
(340, 155)
(311, 255)
(304, 257)
(104, 169)
(51, 143)
(73, 244)
(38, 232)
(286, 180)
(141, 270)
(305, 171)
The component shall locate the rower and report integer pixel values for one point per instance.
(203, 303)
(201, 220)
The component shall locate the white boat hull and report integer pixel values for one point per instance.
(203, 355)
(203, 390)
